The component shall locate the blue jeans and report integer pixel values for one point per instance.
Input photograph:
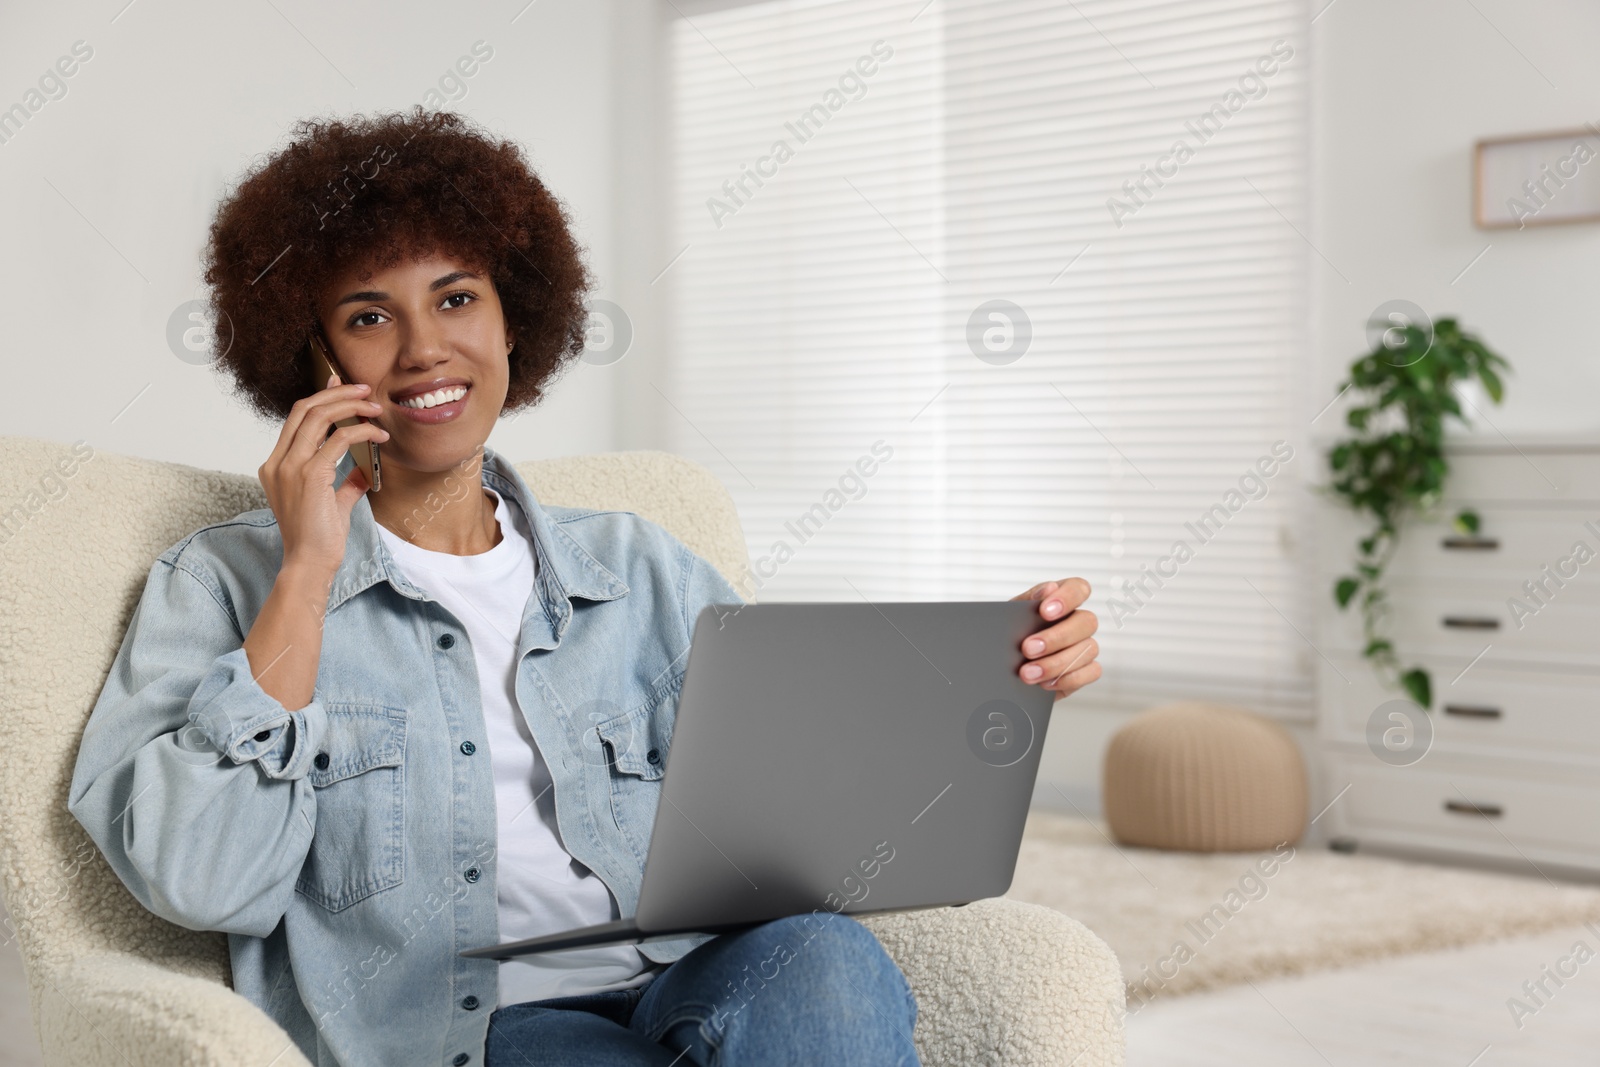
(812, 989)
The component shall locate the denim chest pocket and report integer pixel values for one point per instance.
(635, 746)
(359, 775)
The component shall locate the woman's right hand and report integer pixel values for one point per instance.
(313, 518)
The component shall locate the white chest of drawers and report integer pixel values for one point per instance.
(1508, 625)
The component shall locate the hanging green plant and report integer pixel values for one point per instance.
(1394, 462)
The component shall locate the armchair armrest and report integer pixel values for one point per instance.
(122, 1011)
(1000, 981)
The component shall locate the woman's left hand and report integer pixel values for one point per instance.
(1061, 657)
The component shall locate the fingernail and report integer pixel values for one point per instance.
(1052, 607)
(331, 379)
(1032, 671)
(1035, 645)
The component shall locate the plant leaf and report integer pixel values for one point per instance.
(1344, 590)
(1491, 383)
(1418, 686)
(1466, 521)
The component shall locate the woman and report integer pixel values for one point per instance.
(360, 732)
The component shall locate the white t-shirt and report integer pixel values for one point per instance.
(541, 889)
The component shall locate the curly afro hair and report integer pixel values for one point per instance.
(376, 191)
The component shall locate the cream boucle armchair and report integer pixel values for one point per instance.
(997, 982)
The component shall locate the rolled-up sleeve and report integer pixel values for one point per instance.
(240, 719)
(190, 777)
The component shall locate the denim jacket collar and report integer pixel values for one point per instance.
(565, 568)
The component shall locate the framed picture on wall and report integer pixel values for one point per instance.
(1536, 179)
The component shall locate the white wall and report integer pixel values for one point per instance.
(1401, 92)
(641, 128)
(110, 189)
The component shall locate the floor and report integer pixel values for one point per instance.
(1444, 1008)
(1440, 1009)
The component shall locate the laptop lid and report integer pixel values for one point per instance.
(845, 757)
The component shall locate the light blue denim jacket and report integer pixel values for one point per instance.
(347, 848)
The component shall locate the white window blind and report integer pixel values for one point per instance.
(823, 296)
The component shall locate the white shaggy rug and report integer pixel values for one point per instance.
(1182, 921)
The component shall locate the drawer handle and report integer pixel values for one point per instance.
(1470, 622)
(1467, 711)
(1473, 544)
(1462, 807)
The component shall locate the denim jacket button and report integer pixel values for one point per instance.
(263, 735)
(321, 761)
(447, 640)
(472, 874)
(461, 1058)
(468, 748)
(470, 1003)
(654, 755)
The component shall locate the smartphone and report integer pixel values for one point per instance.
(366, 453)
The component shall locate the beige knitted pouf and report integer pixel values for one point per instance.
(1204, 778)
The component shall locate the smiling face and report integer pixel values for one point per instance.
(419, 333)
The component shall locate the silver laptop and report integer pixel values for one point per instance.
(849, 757)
